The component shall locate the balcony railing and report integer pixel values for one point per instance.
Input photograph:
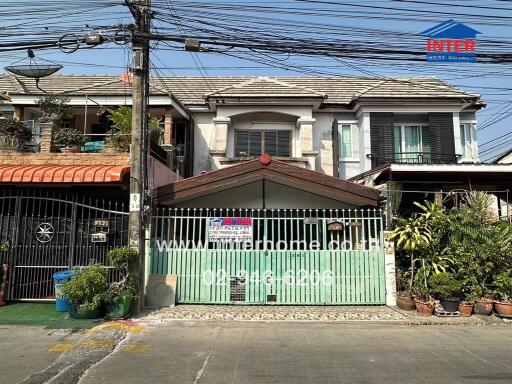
(413, 158)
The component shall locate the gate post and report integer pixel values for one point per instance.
(389, 270)
(72, 236)
(14, 247)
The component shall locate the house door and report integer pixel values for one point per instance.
(243, 256)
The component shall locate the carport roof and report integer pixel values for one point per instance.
(266, 168)
(63, 173)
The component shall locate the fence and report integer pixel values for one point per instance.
(49, 232)
(284, 256)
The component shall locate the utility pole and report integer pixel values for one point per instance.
(141, 11)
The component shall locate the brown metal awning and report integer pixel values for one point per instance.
(63, 174)
(272, 170)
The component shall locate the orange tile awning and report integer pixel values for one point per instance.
(63, 173)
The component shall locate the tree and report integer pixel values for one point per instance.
(122, 128)
(56, 109)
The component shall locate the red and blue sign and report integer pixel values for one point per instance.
(230, 229)
(451, 42)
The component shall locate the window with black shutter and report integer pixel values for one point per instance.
(254, 143)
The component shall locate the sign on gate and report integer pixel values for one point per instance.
(230, 229)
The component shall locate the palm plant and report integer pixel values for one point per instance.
(435, 257)
(410, 235)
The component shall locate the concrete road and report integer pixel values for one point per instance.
(29, 349)
(287, 352)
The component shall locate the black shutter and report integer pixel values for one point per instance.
(441, 134)
(335, 149)
(381, 137)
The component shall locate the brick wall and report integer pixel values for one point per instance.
(17, 158)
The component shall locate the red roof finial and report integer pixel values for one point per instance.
(265, 159)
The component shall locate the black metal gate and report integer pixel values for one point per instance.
(50, 232)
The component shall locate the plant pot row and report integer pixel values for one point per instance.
(486, 308)
(116, 310)
(466, 309)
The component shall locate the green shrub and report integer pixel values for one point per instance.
(55, 108)
(503, 284)
(87, 288)
(444, 285)
(122, 257)
(421, 292)
(126, 287)
(4, 246)
(120, 137)
(68, 137)
(14, 134)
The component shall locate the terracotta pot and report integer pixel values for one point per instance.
(424, 308)
(405, 301)
(503, 308)
(74, 149)
(483, 307)
(465, 309)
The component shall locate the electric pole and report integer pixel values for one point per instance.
(141, 11)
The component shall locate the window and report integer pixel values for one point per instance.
(411, 142)
(346, 140)
(255, 143)
(466, 140)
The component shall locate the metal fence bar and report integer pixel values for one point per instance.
(24, 218)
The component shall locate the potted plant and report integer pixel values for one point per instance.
(483, 301)
(481, 245)
(447, 290)
(85, 292)
(404, 299)
(410, 234)
(424, 303)
(68, 140)
(119, 296)
(465, 308)
(467, 305)
(503, 284)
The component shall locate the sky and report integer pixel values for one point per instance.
(493, 82)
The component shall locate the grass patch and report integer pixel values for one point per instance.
(42, 314)
(29, 314)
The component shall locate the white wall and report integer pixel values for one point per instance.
(203, 139)
(281, 117)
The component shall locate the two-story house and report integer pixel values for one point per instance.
(285, 159)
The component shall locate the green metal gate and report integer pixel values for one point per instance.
(293, 256)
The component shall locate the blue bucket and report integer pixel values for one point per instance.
(61, 303)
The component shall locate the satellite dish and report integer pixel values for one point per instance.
(33, 69)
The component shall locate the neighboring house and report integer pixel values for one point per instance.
(505, 158)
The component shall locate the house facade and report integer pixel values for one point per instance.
(266, 160)
(342, 126)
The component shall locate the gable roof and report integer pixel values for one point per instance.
(265, 87)
(451, 29)
(269, 169)
(193, 91)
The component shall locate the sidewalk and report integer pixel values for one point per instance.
(308, 313)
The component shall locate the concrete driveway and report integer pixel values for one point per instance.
(28, 349)
(314, 352)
